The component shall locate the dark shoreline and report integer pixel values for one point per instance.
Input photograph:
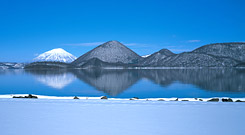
(213, 99)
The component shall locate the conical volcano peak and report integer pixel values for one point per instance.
(57, 50)
(56, 55)
(111, 52)
(112, 43)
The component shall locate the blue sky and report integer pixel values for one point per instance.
(29, 28)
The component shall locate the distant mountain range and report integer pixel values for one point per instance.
(114, 54)
(9, 65)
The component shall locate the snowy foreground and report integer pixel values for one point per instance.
(119, 117)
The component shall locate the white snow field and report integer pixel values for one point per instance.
(119, 117)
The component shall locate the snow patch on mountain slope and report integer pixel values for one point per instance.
(56, 55)
(146, 56)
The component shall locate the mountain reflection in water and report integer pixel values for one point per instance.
(57, 79)
(115, 81)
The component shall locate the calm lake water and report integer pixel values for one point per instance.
(182, 83)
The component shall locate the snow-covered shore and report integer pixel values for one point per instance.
(133, 98)
(119, 117)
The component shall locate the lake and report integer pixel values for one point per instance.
(148, 83)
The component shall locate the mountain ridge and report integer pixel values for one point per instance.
(114, 54)
(155, 57)
(235, 50)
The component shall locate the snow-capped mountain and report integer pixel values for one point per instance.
(56, 55)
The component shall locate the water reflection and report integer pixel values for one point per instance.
(12, 72)
(223, 80)
(114, 82)
(57, 79)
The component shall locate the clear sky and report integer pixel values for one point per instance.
(29, 28)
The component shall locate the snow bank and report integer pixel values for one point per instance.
(119, 117)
